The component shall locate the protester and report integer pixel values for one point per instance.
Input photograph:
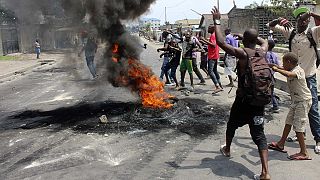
(37, 48)
(90, 49)
(174, 54)
(194, 61)
(301, 101)
(243, 112)
(213, 57)
(300, 44)
(188, 47)
(230, 61)
(167, 37)
(273, 59)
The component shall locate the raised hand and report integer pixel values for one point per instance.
(285, 23)
(215, 13)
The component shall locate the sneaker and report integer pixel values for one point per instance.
(169, 84)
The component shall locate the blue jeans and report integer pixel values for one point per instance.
(38, 52)
(213, 71)
(91, 66)
(314, 118)
(164, 64)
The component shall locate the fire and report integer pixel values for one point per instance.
(149, 87)
(115, 53)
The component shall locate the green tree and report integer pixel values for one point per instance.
(282, 7)
(252, 5)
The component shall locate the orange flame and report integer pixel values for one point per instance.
(150, 88)
(115, 53)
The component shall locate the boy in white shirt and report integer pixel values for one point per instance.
(301, 102)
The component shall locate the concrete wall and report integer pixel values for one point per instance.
(29, 33)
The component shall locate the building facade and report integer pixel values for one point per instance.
(154, 23)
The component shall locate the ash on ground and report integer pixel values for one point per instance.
(192, 116)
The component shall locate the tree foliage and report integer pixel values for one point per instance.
(282, 7)
(252, 5)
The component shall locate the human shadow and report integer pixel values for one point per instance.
(273, 155)
(221, 166)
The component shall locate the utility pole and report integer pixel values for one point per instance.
(218, 4)
(165, 15)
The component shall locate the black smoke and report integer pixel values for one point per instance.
(103, 19)
(106, 16)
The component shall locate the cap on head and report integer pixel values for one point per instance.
(300, 11)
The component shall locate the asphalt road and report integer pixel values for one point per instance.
(50, 129)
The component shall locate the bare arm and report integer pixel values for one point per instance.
(165, 48)
(316, 16)
(282, 22)
(175, 48)
(237, 52)
(284, 72)
(208, 42)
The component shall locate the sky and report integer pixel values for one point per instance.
(180, 9)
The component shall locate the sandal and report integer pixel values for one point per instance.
(216, 91)
(299, 157)
(275, 146)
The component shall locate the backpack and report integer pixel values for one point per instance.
(258, 79)
(311, 40)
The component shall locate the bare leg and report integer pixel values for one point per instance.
(286, 131)
(183, 74)
(264, 162)
(303, 148)
(191, 79)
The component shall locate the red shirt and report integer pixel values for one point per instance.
(213, 52)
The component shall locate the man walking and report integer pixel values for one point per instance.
(90, 49)
(213, 57)
(242, 111)
(300, 44)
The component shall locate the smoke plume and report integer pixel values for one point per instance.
(104, 18)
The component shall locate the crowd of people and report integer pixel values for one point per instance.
(184, 51)
(299, 66)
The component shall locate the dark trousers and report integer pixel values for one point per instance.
(196, 70)
(243, 113)
(213, 71)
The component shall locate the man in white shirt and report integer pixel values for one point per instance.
(300, 45)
